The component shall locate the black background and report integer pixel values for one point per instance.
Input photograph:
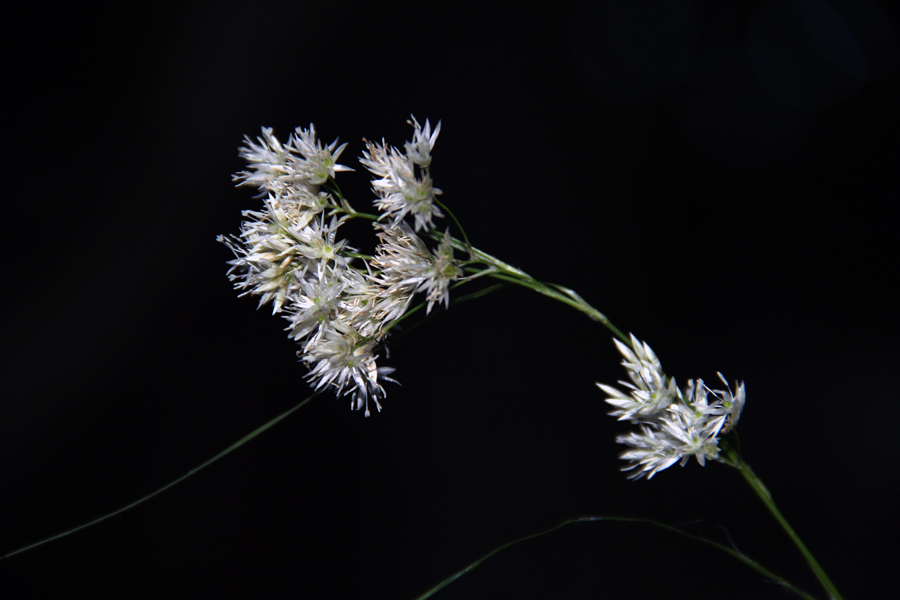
(717, 177)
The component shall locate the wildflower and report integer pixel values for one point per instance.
(419, 149)
(650, 393)
(343, 358)
(673, 424)
(320, 161)
(407, 266)
(269, 161)
(652, 452)
(315, 304)
(443, 270)
(401, 189)
(317, 241)
(289, 254)
(283, 168)
(265, 260)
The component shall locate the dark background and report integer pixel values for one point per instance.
(717, 177)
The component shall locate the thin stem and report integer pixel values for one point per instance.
(507, 272)
(359, 215)
(455, 220)
(478, 294)
(227, 450)
(730, 551)
(572, 299)
(365, 257)
(735, 460)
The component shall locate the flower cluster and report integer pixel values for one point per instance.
(339, 304)
(674, 424)
(404, 183)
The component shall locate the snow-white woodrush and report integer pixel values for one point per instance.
(340, 304)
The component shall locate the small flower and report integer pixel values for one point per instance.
(268, 159)
(679, 434)
(315, 304)
(443, 271)
(674, 424)
(344, 359)
(407, 266)
(651, 452)
(288, 253)
(400, 188)
(419, 149)
(321, 161)
(732, 404)
(264, 264)
(651, 392)
(302, 161)
(318, 242)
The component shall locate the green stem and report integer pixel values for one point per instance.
(455, 220)
(507, 272)
(564, 295)
(735, 460)
(730, 551)
(359, 215)
(227, 450)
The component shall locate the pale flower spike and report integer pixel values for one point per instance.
(340, 305)
(673, 424)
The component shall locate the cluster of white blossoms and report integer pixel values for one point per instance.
(340, 304)
(674, 424)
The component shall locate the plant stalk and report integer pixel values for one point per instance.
(735, 460)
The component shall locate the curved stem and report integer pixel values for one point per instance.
(455, 220)
(735, 460)
(730, 551)
(227, 450)
(507, 272)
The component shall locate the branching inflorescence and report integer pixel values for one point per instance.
(340, 304)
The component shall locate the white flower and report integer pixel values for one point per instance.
(268, 159)
(401, 190)
(276, 167)
(680, 432)
(651, 392)
(407, 266)
(320, 164)
(419, 149)
(339, 307)
(317, 241)
(315, 303)
(370, 304)
(674, 424)
(266, 259)
(652, 452)
(344, 359)
(731, 404)
(443, 270)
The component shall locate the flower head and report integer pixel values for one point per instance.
(340, 305)
(343, 358)
(407, 266)
(320, 162)
(402, 182)
(674, 424)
